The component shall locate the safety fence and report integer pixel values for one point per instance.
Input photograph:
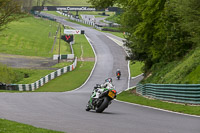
(71, 17)
(43, 16)
(43, 80)
(180, 93)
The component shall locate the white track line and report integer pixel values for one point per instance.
(92, 68)
(158, 109)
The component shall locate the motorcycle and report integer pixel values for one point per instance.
(104, 100)
(118, 76)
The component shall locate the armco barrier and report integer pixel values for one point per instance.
(81, 21)
(180, 93)
(42, 81)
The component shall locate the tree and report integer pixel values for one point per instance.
(188, 12)
(26, 5)
(42, 3)
(159, 31)
(102, 3)
(9, 11)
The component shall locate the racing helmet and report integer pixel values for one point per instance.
(109, 80)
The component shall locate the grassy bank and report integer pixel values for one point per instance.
(183, 71)
(113, 18)
(31, 37)
(70, 80)
(20, 76)
(131, 97)
(82, 47)
(7, 126)
(76, 78)
(136, 68)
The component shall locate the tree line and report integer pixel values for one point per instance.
(159, 31)
(11, 10)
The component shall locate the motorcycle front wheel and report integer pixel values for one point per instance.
(103, 106)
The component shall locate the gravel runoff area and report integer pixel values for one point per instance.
(20, 61)
(32, 62)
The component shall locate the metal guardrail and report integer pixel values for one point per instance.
(181, 93)
(81, 21)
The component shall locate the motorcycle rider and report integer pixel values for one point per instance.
(98, 89)
(108, 84)
(118, 73)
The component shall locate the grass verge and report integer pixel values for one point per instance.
(62, 64)
(136, 68)
(19, 75)
(118, 34)
(70, 80)
(31, 75)
(7, 126)
(82, 47)
(130, 96)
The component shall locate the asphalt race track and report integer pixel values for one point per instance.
(66, 111)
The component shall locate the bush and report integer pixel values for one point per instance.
(7, 74)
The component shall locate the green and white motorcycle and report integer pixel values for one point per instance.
(104, 99)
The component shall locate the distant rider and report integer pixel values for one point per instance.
(118, 73)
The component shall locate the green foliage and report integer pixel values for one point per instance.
(20, 76)
(102, 3)
(7, 74)
(10, 10)
(193, 77)
(188, 12)
(28, 76)
(114, 18)
(160, 32)
(184, 71)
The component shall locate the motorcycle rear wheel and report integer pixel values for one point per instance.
(103, 106)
